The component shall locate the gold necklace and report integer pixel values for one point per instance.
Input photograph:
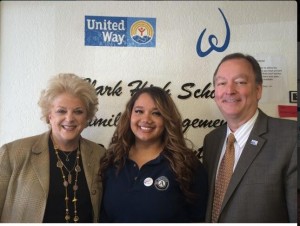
(60, 164)
(66, 183)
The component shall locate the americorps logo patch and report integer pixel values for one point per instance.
(120, 31)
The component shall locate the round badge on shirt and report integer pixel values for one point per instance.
(162, 183)
(148, 181)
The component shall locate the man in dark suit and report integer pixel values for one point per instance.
(263, 184)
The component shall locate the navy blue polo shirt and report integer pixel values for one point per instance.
(150, 195)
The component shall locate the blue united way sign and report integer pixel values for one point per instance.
(120, 31)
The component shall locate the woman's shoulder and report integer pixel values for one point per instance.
(27, 141)
(23, 147)
(93, 145)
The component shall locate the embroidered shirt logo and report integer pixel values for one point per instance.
(162, 183)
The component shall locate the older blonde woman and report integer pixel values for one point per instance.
(53, 177)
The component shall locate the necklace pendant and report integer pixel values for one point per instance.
(75, 187)
(59, 164)
(77, 168)
(69, 178)
(67, 159)
(76, 219)
(67, 217)
(66, 183)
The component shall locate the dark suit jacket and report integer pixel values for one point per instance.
(263, 187)
(24, 178)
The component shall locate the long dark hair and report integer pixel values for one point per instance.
(182, 159)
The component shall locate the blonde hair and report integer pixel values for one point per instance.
(71, 84)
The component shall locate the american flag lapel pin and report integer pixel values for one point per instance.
(254, 142)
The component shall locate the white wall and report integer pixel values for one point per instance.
(42, 38)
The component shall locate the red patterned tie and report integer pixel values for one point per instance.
(223, 178)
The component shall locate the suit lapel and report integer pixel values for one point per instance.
(87, 153)
(252, 148)
(40, 161)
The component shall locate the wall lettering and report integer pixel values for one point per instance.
(198, 93)
(186, 124)
(213, 40)
(138, 84)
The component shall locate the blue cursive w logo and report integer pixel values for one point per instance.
(213, 41)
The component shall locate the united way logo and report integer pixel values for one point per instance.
(120, 31)
(141, 32)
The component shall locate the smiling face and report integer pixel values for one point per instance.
(236, 92)
(146, 121)
(68, 118)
